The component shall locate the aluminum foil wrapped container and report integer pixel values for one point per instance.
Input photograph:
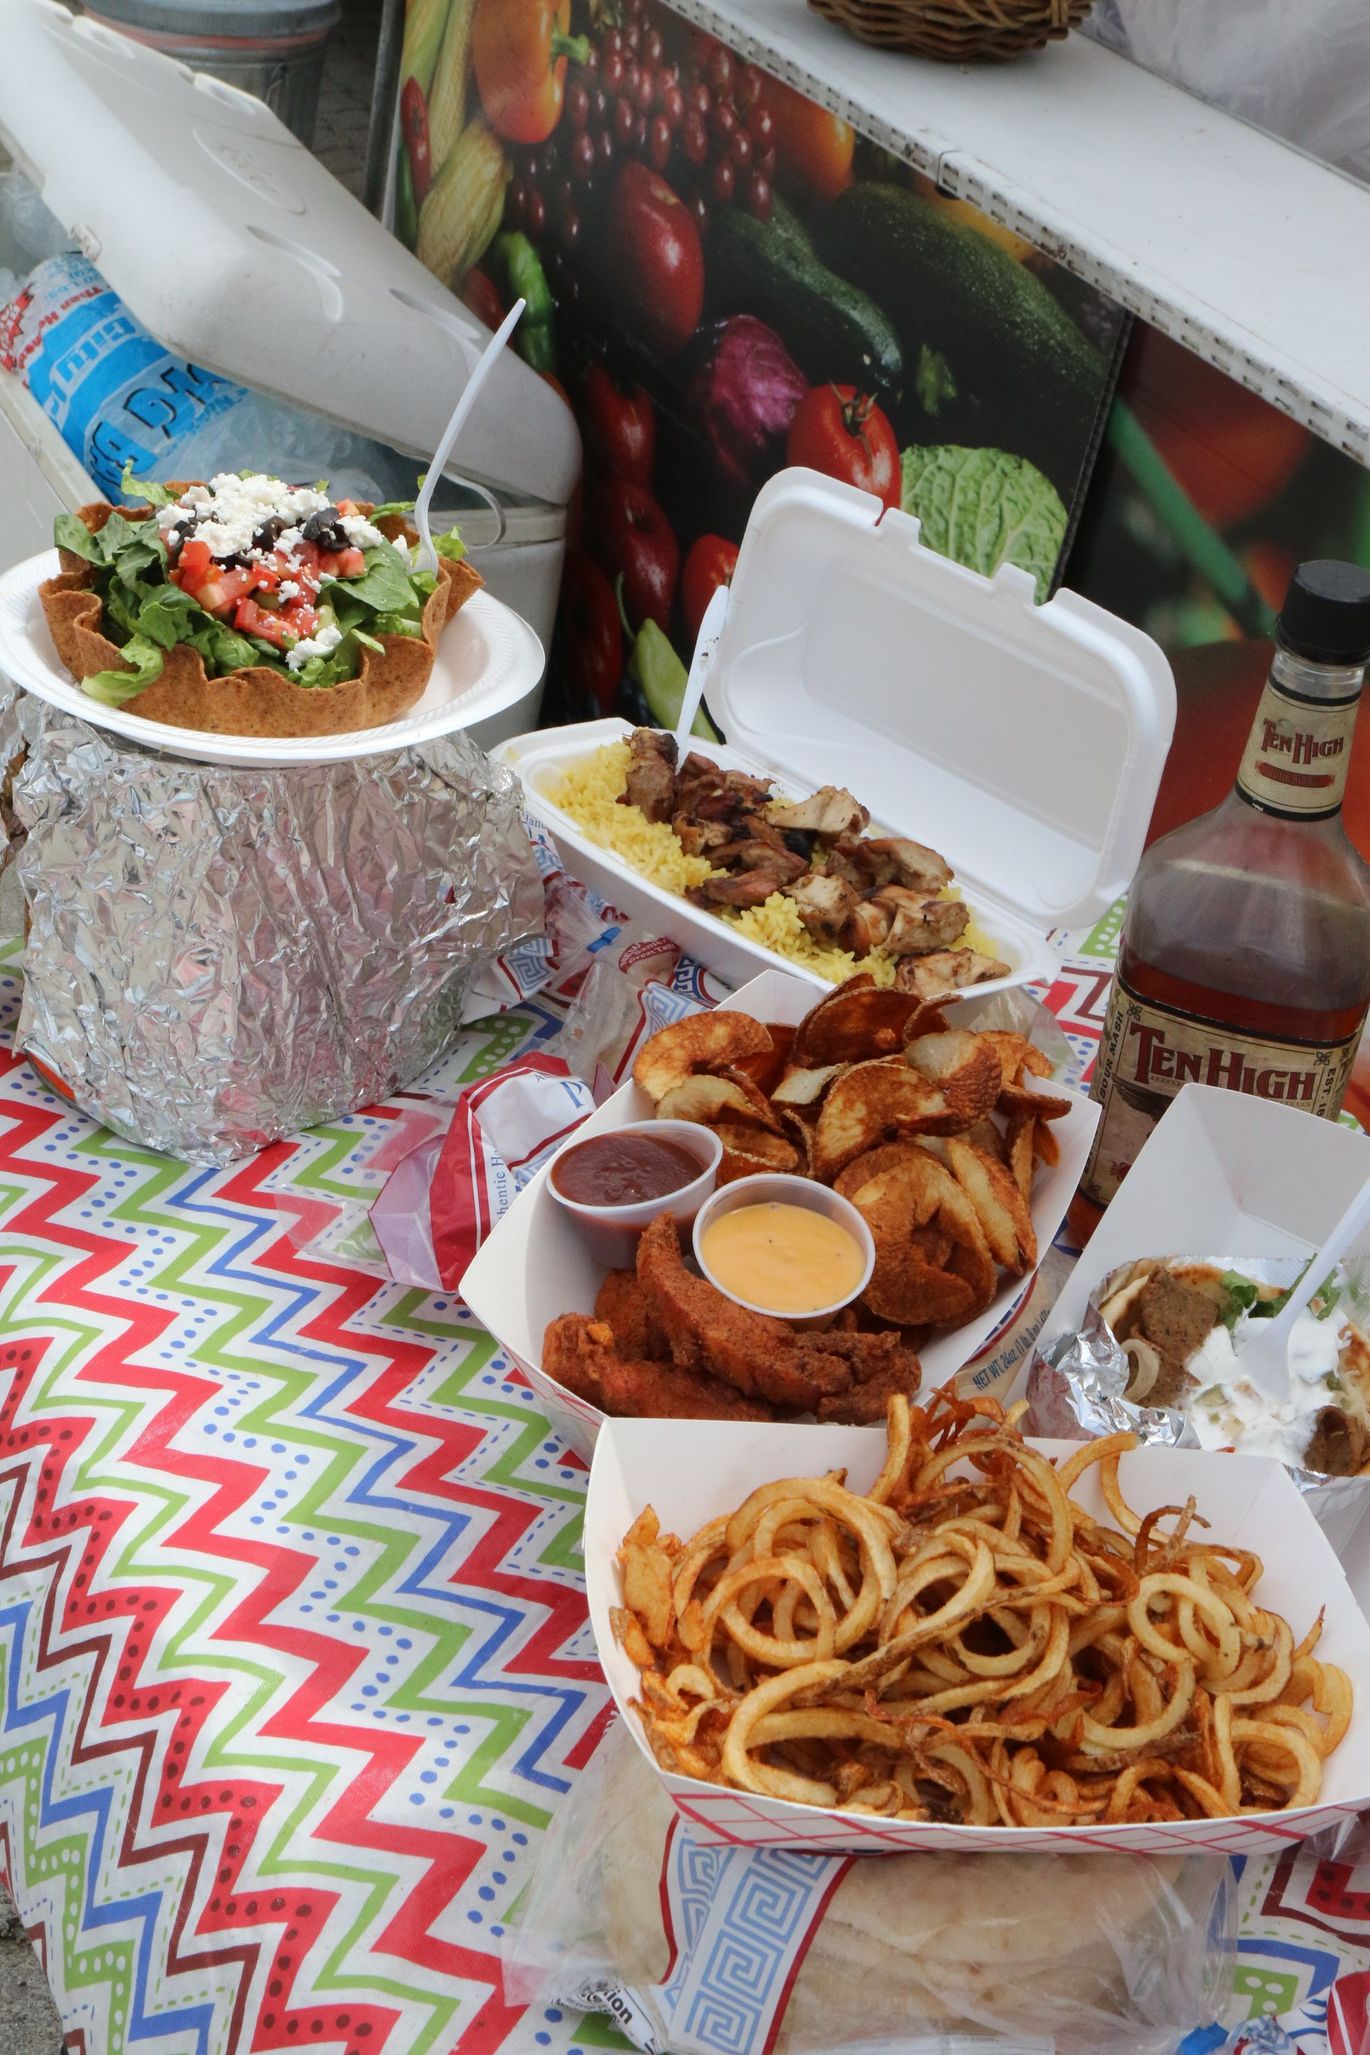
(219, 956)
(1076, 1383)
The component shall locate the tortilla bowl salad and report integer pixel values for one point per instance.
(246, 606)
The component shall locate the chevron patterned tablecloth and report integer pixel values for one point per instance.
(294, 1661)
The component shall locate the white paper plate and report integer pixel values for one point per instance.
(488, 659)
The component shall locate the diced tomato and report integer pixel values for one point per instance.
(223, 587)
(268, 577)
(342, 563)
(300, 617)
(251, 619)
(307, 556)
(193, 561)
(347, 506)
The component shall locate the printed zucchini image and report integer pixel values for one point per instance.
(723, 279)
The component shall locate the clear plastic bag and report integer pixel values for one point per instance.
(685, 1946)
(1299, 68)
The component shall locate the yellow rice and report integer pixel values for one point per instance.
(588, 791)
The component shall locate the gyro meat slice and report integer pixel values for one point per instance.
(967, 1070)
(703, 1041)
(853, 1025)
(942, 973)
(830, 811)
(876, 1102)
(919, 922)
(823, 904)
(1000, 1206)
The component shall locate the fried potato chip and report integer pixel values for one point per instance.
(703, 1041)
(771, 1151)
(805, 1087)
(1021, 1136)
(767, 1067)
(707, 1100)
(877, 1102)
(741, 1163)
(1016, 1054)
(1041, 1105)
(913, 1205)
(965, 1066)
(1000, 1206)
(647, 1575)
(1045, 1146)
(985, 1135)
(800, 1135)
(852, 1026)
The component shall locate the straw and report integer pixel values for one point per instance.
(427, 557)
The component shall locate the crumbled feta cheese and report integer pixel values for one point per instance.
(361, 534)
(232, 509)
(326, 638)
(289, 589)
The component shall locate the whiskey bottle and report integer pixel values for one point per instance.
(1245, 953)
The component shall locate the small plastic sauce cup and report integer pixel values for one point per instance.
(777, 1188)
(613, 1232)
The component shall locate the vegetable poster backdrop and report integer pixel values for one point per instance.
(724, 279)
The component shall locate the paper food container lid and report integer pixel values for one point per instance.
(237, 249)
(691, 1470)
(1221, 1174)
(1024, 742)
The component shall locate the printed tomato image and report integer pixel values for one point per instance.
(813, 147)
(629, 532)
(841, 431)
(621, 426)
(711, 563)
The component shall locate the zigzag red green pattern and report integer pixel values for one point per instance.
(293, 1647)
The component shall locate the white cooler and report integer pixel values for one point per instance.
(234, 246)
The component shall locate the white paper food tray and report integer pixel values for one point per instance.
(691, 1470)
(1024, 743)
(534, 1265)
(488, 659)
(1221, 1174)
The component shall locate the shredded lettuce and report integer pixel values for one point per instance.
(114, 688)
(1240, 1296)
(146, 489)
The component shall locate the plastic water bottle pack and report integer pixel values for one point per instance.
(116, 395)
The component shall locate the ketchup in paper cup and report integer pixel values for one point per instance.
(614, 1184)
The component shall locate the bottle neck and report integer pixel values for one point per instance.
(1298, 753)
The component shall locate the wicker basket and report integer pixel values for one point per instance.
(958, 30)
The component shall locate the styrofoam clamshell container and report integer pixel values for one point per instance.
(534, 1266)
(690, 1471)
(1023, 742)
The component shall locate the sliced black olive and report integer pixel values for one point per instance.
(265, 537)
(322, 526)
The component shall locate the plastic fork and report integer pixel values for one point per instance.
(426, 558)
(706, 642)
(1265, 1344)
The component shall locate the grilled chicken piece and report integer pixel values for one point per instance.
(651, 773)
(830, 811)
(752, 888)
(919, 924)
(946, 971)
(824, 904)
(893, 859)
(866, 928)
(706, 793)
(761, 856)
(701, 838)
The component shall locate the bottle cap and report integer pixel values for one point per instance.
(1326, 613)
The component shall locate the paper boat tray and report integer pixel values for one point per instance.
(692, 1470)
(534, 1265)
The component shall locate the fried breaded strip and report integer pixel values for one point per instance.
(709, 1332)
(624, 1305)
(661, 1391)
